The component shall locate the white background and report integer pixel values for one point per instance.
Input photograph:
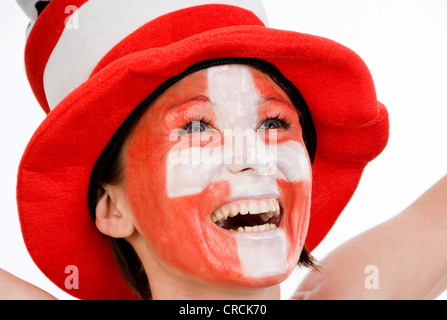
(404, 43)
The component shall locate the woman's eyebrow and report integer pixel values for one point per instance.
(200, 98)
(171, 112)
(269, 98)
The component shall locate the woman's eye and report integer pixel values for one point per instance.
(273, 124)
(195, 126)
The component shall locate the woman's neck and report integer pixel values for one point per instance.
(176, 289)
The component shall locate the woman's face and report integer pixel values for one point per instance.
(219, 180)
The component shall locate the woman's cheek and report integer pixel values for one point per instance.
(145, 176)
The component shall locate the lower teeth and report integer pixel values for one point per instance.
(264, 227)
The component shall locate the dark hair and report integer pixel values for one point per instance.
(127, 260)
(110, 165)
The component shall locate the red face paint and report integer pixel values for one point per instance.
(173, 203)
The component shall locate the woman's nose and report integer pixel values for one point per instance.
(246, 153)
(239, 168)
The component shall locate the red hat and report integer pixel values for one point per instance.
(91, 63)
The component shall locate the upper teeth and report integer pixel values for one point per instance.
(267, 208)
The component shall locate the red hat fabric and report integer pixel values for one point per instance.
(91, 63)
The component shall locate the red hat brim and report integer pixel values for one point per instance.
(54, 175)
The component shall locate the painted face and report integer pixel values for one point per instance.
(219, 180)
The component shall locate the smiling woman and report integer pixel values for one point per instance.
(210, 152)
(222, 84)
(250, 231)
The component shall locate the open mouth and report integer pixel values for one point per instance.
(249, 215)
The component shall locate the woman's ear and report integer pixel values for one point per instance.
(113, 213)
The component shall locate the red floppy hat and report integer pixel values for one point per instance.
(91, 63)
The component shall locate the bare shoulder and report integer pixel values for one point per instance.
(13, 288)
(402, 258)
(340, 276)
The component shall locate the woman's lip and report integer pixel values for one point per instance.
(251, 205)
(248, 235)
(260, 214)
(237, 200)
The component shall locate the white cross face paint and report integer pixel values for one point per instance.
(234, 192)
